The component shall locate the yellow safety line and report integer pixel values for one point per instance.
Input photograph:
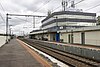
(34, 54)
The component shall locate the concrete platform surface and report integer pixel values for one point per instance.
(14, 55)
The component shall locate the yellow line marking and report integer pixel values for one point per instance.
(34, 54)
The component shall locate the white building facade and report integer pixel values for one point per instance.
(55, 27)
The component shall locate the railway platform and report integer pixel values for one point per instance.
(14, 54)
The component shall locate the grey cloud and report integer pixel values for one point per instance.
(29, 6)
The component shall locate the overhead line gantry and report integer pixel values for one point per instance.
(7, 24)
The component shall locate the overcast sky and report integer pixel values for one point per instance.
(36, 7)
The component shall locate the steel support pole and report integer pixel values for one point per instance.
(33, 22)
(57, 23)
(6, 28)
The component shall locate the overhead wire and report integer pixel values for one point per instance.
(2, 17)
(43, 5)
(1, 14)
(2, 7)
(56, 8)
(22, 19)
(92, 7)
(79, 2)
(38, 21)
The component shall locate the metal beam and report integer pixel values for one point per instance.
(7, 24)
(26, 15)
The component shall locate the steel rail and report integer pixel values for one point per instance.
(68, 59)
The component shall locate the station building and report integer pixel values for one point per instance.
(56, 26)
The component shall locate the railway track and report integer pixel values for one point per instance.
(69, 59)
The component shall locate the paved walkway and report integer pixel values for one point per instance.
(14, 55)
